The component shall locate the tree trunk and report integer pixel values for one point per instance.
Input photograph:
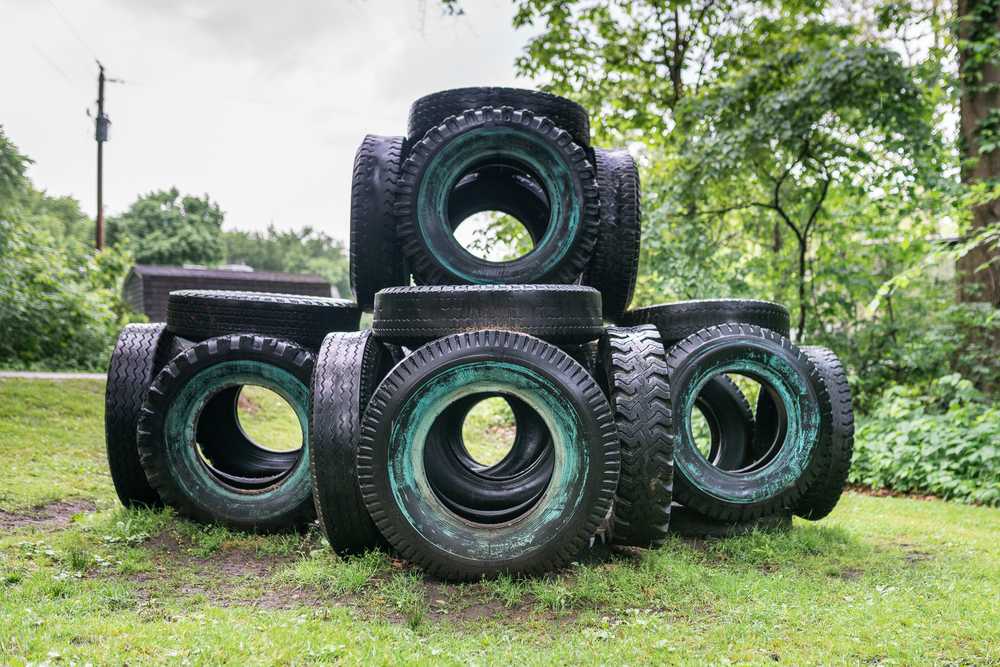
(980, 95)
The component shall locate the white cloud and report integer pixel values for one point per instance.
(260, 104)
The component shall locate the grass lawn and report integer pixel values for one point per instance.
(881, 581)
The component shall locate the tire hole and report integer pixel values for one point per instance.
(268, 420)
(489, 431)
(494, 236)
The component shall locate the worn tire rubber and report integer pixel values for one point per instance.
(499, 188)
(348, 368)
(202, 314)
(633, 370)
(136, 358)
(730, 421)
(777, 482)
(679, 320)
(820, 499)
(376, 259)
(431, 110)
(553, 531)
(491, 136)
(174, 468)
(564, 314)
(614, 264)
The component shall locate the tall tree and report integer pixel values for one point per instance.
(979, 113)
(165, 227)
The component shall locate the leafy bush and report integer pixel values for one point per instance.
(56, 313)
(942, 439)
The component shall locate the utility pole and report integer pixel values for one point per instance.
(101, 124)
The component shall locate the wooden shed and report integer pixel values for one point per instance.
(146, 286)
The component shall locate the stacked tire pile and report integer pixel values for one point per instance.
(704, 410)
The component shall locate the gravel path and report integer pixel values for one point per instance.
(38, 375)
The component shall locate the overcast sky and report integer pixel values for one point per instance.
(260, 104)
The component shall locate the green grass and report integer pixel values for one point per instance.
(881, 581)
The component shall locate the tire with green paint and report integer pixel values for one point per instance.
(138, 354)
(517, 139)
(401, 418)
(185, 471)
(562, 314)
(376, 260)
(431, 110)
(633, 371)
(838, 437)
(348, 368)
(614, 265)
(778, 478)
(730, 422)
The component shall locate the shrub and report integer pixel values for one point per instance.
(942, 438)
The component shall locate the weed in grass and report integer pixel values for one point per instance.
(325, 571)
(510, 591)
(405, 593)
(133, 526)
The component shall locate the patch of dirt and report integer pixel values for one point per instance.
(50, 516)
(849, 574)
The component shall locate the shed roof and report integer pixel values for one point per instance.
(228, 274)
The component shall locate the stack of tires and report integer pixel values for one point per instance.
(701, 410)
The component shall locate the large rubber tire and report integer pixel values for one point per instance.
(202, 314)
(376, 258)
(564, 314)
(499, 188)
(777, 480)
(169, 424)
(348, 368)
(681, 319)
(838, 437)
(615, 263)
(634, 372)
(392, 468)
(504, 137)
(137, 356)
(432, 110)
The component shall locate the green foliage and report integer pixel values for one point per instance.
(165, 227)
(295, 251)
(942, 439)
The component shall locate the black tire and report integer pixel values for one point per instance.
(431, 110)
(564, 314)
(499, 188)
(777, 480)
(634, 371)
(496, 137)
(824, 494)
(615, 263)
(198, 486)
(137, 356)
(686, 522)
(376, 259)
(348, 368)
(679, 320)
(306, 320)
(391, 465)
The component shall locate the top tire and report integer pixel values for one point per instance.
(462, 145)
(376, 259)
(431, 110)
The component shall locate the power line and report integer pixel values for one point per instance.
(72, 29)
(51, 63)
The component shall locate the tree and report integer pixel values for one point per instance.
(979, 113)
(165, 227)
(296, 251)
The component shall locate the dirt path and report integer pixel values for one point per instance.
(39, 375)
